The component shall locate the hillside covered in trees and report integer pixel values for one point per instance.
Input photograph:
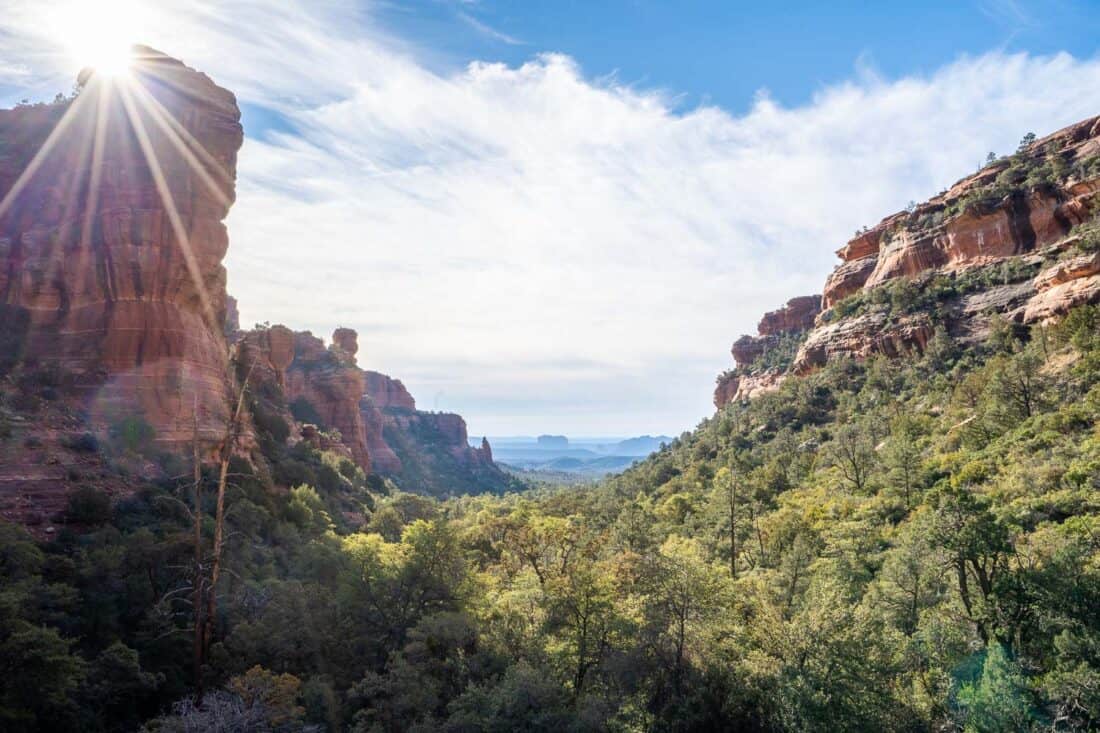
(878, 545)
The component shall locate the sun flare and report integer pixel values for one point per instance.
(99, 35)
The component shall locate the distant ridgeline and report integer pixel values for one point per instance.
(558, 459)
(114, 361)
(1016, 242)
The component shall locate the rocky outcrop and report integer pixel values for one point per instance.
(726, 388)
(329, 381)
(796, 316)
(432, 443)
(325, 399)
(386, 392)
(734, 387)
(1000, 244)
(774, 333)
(1063, 286)
(862, 336)
(848, 278)
(383, 457)
(747, 349)
(1012, 207)
(265, 354)
(232, 320)
(108, 275)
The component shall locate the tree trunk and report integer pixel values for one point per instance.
(196, 599)
(228, 443)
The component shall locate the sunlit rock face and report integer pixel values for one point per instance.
(330, 381)
(111, 243)
(998, 244)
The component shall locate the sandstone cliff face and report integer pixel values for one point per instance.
(385, 392)
(796, 316)
(321, 393)
(1003, 242)
(330, 381)
(775, 333)
(432, 442)
(98, 277)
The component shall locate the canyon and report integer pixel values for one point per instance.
(120, 351)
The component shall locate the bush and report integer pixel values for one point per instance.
(133, 434)
(270, 422)
(88, 506)
(83, 443)
(304, 412)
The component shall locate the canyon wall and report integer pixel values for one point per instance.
(322, 395)
(111, 242)
(119, 346)
(1015, 241)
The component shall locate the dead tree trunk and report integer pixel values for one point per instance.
(196, 591)
(229, 442)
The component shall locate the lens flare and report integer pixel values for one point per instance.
(98, 35)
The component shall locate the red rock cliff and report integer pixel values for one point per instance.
(330, 381)
(111, 242)
(1002, 242)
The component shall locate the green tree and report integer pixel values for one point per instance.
(999, 700)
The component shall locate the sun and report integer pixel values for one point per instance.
(106, 58)
(98, 35)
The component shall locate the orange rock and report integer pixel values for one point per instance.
(333, 385)
(105, 287)
(796, 316)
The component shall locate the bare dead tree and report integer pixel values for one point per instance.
(228, 444)
(198, 648)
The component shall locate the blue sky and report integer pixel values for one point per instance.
(556, 217)
(725, 52)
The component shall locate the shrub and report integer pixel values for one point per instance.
(270, 422)
(304, 412)
(83, 443)
(133, 434)
(88, 506)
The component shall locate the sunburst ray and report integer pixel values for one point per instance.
(176, 222)
(74, 109)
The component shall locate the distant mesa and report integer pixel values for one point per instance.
(584, 458)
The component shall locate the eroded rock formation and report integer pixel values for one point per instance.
(105, 273)
(774, 335)
(324, 398)
(1005, 242)
(331, 383)
(796, 316)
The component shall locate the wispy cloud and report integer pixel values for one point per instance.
(550, 252)
(489, 31)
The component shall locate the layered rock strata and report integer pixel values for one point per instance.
(1005, 242)
(111, 242)
(749, 379)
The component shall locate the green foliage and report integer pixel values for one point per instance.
(999, 699)
(132, 434)
(88, 506)
(931, 294)
(885, 545)
(304, 412)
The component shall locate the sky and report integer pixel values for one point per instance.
(555, 217)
